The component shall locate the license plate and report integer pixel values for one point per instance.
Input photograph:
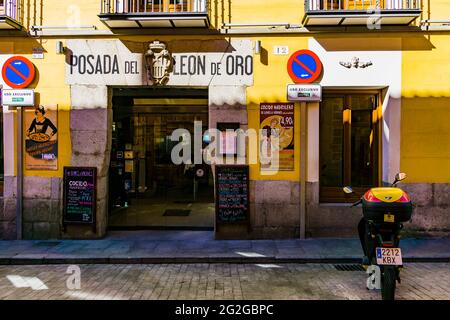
(389, 218)
(389, 256)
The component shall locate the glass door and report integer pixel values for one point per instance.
(152, 190)
(349, 144)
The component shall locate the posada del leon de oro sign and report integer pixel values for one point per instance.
(187, 63)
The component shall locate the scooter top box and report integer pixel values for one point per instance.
(380, 201)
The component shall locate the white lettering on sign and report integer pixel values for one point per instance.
(306, 92)
(19, 97)
(78, 183)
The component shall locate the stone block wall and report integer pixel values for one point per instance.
(274, 209)
(329, 220)
(42, 208)
(91, 135)
(430, 217)
(228, 104)
(8, 209)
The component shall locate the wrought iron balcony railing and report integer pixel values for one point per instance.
(327, 5)
(155, 13)
(361, 12)
(11, 14)
(153, 6)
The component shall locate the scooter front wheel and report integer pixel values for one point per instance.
(388, 283)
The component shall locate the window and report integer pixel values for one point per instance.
(349, 144)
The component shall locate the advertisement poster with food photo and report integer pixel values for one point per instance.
(41, 139)
(278, 119)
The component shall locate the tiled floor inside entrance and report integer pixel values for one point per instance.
(150, 213)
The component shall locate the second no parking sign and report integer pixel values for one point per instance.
(304, 66)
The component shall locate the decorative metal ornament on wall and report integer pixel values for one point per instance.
(159, 63)
(355, 63)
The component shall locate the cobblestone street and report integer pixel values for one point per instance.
(420, 281)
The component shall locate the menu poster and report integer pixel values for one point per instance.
(278, 119)
(41, 138)
(80, 195)
(232, 194)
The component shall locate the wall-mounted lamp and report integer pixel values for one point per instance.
(258, 47)
(60, 47)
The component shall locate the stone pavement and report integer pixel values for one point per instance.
(200, 247)
(420, 281)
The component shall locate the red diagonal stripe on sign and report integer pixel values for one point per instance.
(303, 66)
(18, 72)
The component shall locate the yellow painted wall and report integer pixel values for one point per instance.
(58, 13)
(270, 85)
(84, 12)
(256, 11)
(425, 140)
(435, 9)
(50, 89)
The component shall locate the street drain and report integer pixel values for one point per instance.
(349, 267)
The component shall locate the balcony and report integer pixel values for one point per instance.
(11, 14)
(135, 14)
(361, 12)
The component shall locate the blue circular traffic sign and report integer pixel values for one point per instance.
(18, 72)
(304, 66)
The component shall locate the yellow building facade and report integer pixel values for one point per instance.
(117, 78)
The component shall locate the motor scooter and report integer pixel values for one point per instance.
(384, 210)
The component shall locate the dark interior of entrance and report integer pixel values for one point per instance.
(146, 188)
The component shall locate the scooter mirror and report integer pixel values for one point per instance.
(400, 176)
(347, 190)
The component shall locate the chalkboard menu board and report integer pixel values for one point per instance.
(232, 194)
(80, 195)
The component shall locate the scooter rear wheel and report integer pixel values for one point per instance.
(388, 283)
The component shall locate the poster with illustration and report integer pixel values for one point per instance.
(41, 140)
(278, 119)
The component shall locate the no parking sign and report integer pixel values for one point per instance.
(18, 72)
(304, 66)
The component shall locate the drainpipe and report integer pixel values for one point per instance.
(303, 167)
(19, 200)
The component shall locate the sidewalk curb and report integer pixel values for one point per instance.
(199, 260)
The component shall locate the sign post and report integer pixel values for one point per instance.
(18, 73)
(304, 66)
(19, 201)
(303, 167)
